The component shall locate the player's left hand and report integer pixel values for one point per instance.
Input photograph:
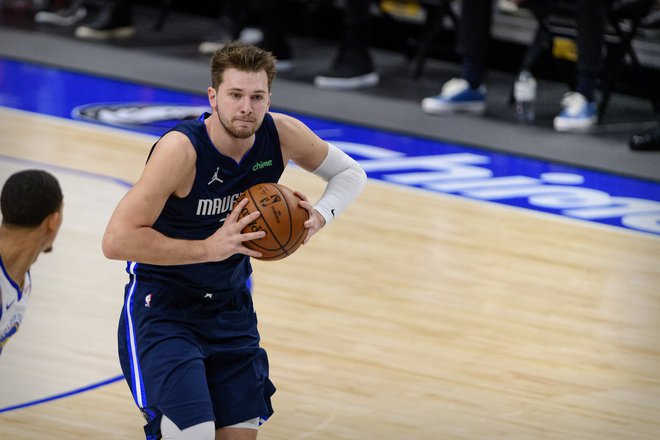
(315, 221)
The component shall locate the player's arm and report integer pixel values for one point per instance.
(170, 171)
(344, 176)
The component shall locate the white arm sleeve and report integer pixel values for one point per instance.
(346, 180)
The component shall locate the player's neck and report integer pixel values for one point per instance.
(18, 251)
(226, 143)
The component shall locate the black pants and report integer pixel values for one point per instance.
(475, 26)
(356, 33)
(272, 16)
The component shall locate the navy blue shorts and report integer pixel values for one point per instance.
(194, 356)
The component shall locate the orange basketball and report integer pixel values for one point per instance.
(281, 218)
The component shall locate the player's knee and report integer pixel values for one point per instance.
(201, 431)
(248, 424)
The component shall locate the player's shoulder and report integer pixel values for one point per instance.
(174, 146)
(177, 141)
(286, 124)
(284, 119)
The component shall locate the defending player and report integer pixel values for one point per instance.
(188, 339)
(31, 204)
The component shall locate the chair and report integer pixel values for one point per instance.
(624, 17)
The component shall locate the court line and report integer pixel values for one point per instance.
(63, 395)
(66, 169)
(521, 165)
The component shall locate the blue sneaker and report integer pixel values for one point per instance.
(456, 96)
(577, 114)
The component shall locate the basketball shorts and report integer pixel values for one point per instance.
(194, 356)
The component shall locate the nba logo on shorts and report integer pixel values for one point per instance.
(147, 300)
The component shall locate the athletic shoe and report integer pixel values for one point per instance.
(223, 36)
(61, 17)
(109, 24)
(650, 25)
(648, 141)
(251, 35)
(577, 114)
(223, 32)
(456, 96)
(254, 36)
(352, 69)
(209, 47)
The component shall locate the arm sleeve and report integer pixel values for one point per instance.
(346, 180)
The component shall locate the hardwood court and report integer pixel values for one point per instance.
(414, 316)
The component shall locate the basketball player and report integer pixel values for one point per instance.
(31, 204)
(188, 339)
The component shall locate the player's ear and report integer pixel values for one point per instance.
(54, 220)
(212, 95)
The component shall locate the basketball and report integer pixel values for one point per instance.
(281, 218)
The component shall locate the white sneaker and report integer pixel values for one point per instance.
(210, 47)
(577, 114)
(247, 35)
(64, 18)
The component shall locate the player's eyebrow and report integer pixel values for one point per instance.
(238, 89)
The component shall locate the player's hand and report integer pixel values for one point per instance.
(228, 240)
(315, 221)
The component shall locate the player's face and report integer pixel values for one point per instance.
(241, 102)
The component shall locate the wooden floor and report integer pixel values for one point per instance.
(414, 316)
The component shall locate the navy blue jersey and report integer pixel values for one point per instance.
(219, 181)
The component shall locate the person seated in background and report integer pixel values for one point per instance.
(352, 66)
(271, 17)
(113, 21)
(230, 26)
(109, 20)
(468, 93)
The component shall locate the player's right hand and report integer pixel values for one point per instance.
(228, 240)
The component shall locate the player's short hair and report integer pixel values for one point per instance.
(28, 197)
(244, 57)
